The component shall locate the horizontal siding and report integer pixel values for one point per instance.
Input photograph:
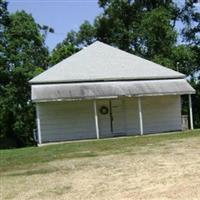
(131, 116)
(118, 112)
(75, 120)
(66, 120)
(161, 114)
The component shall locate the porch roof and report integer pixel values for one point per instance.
(109, 89)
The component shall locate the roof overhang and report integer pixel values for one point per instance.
(112, 89)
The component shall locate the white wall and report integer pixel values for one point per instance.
(75, 120)
(66, 120)
(161, 114)
(131, 116)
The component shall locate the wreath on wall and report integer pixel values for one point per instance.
(103, 110)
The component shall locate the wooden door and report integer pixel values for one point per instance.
(118, 119)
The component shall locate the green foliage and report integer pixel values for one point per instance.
(183, 58)
(86, 34)
(157, 34)
(190, 16)
(61, 52)
(119, 24)
(23, 55)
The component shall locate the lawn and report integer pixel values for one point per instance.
(149, 167)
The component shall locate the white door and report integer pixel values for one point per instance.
(104, 119)
(118, 117)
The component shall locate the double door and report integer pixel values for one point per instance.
(112, 122)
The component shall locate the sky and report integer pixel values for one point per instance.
(61, 15)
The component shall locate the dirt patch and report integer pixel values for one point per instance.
(168, 171)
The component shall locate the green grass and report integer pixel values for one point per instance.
(28, 157)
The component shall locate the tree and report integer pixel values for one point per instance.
(23, 55)
(157, 35)
(4, 21)
(184, 60)
(118, 25)
(136, 26)
(62, 51)
(86, 34)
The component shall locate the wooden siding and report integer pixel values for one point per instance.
(67, 120)
(118, 113)
(75, 120)
(161, 114)
(131, 116)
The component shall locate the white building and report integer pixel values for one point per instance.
(102, 91)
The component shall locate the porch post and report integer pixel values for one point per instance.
(96, 118)
(191, 115)
(38, 124)
(140, 115)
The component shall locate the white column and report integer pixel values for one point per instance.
(191, 115)
(38, 124)
(140, 115)
(96, 119)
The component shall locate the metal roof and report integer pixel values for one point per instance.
(99, 62)
(112, 89)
